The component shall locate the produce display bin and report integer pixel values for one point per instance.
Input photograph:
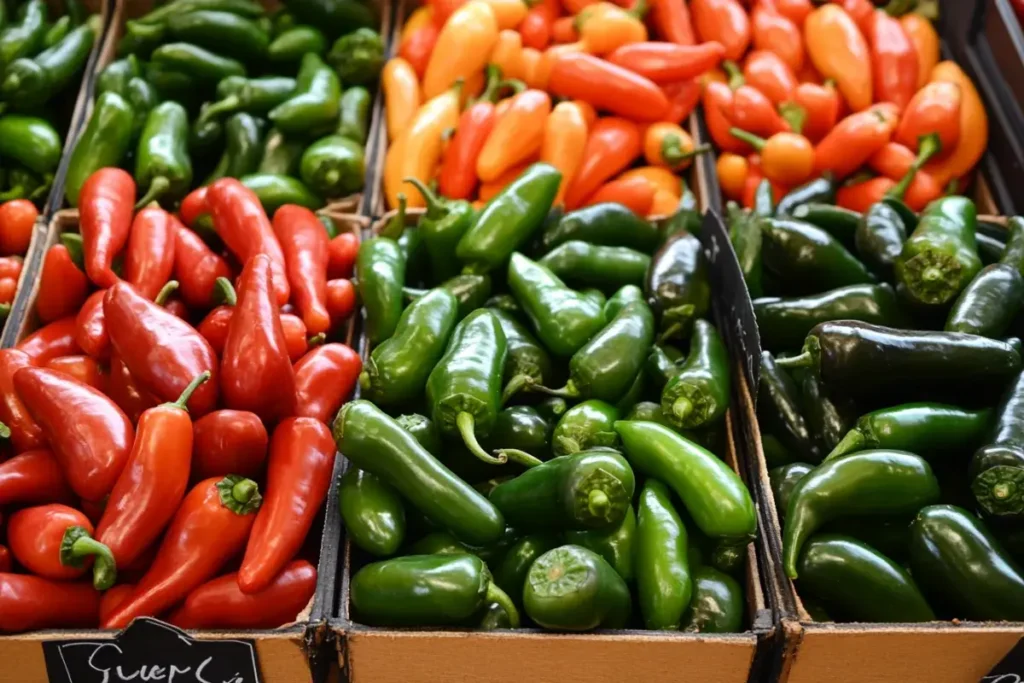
(289, 654)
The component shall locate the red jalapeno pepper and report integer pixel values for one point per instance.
(51, 341)
(304, 242)
(26, 434)
(196, 267)
(229, 442)
(33, 478)
(149, 259)
(324, 379)
(105, 207)
(62, 285)
(30, 602)
(56, 542)
(91, 327)
(83, 368)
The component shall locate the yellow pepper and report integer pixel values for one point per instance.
(463, 47)
(420, 17)
(509, 13)
(401, 94)
(605, 27)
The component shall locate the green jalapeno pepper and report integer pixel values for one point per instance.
(24, 38)
(829, 418)
(252, 95)
(615, 545)
(867, 483)
(30, 141)
(380, 266)
(626, 295)
(226, 32)
(807, 259)
(997, 468)
(57, 32)
(607, 268)
(104, 142)
(470, 291)
(115, 77)
(888, 535)
(444, 223)
(587, 425)
(688, 216)
(990, 249)
(358, 57)
(662, 364)
(510, 574)
(354, 118)
(509, 220)
(784, 479)
(288, 47)
(745, 237)
(427, 590)
(835, 220)
(274, 191)
(552, 409)
(333, 17)
(941, 256)
(172, 84)
(988, 305)
(443, 543)
(373, 512)
(636, 391)
(160, 15)
(564, 319)
(162, 163)
(608, 224)
(244, 137)
(376, 443)
(416, 263)
(528, 362)
(574, 589)
(663, 581)
(817, 191)
(699, 393)
(678, 287)
(857, 583)
(783, 324)
(880, 237)
(717, 605)
(314, 106)
(506, 303)
(713, 494)
(334, 166)
(205, 67)
(523, 429)
(142, 97)
(423, 430)
(281, 156)
(598, 297)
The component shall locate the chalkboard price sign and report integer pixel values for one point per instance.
(152, 651)
(1010, 668)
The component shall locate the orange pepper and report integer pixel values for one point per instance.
(795, 10)
(565, 137)
(421, 16)
(606, 86)
(462, 48)
(488, 190)
(671, 22)
(507, 54)
(926, 43)
(862, 196)
(732, 171)
(786, 158)
(605, 27)
(417, 46)
(636, 194)
(574, 7)
(509, 13)
(665, 204)
(661, 178)
(531, 63)
(564, 30)
(897, 162)
(718, 101)
(723, 21)
(473, 87)
(401, 95)
(589, 113)
(548, 58)
(840, 52)
(973, 127)
(935, 109)
(668, 145)
(854, 139)
(893, 59)
(444, 9)
(776, 33)
(417, 151)
(517, 135)
(613, 144)
(859, 10)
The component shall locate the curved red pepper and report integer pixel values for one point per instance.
(196, 267)
(256, 370)
(214, 328)
(161, 351)
(125, 391)
(820, 104)
(754, 112)
(154, 481)
(298, 475)
(210, 527)
(341, 301)
(229, 442)
(862, 196)
(28, 603)
(612, 146)
(668, 62)
(105, 207)
(893, 59)
(718, 103)
(56, 542)
(150, 257)
(851, 143)
(89, 434)
(777, 33)
(62, 286)
(83, 368)
(767, 72)
(344, 248)
(324, 379)
(607, 87)
(193, 206)
(33, 478)
(724, 21)
(243, 225)
(683, 98)
(91, 327)
(25, 433)
(672, 22)
(304, 242)
(114, 597)
(51, 341)
(458, 178)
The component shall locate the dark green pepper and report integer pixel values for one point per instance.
(988, 305)
(207, 68)
(142, 97)
(764, 200)
(958, 562)
(444, 223)
(314, 106)
(423, 430)
(510, 574)
(57, 32)
(663, 582)
(745, 237)
(506, 303)
(162, 163)
(990, 250)
(523, 429)
(380, 266)
(354, 119)
(274, 191)
(509, 220)
(817, 191)
(941, 256)
(699, 393)
(396, 372)
(622, 298)
(30, 141)
(470, 291)
(552, 409)
(857, 583)
(104, 142)
(879, 237)
(866, 483)
(160, 15)
(587, 425)
(244, 146)
(358, 57)
(615, 545)
(807, 259)
(528, 362)
(115, 77)
(906, 214)
(829, 418)
(678, 287)
(24, 38)
(333, 166)
(783, 480)
(373, 512)
(281, 156)
(289, 46)
(997, 468)
(660, 367)
(835, 220)
(333, 17)
(574, 589)
(717, 605)
(611, 225)
(443, 543)
(607, 268)
(781, 414)
(376, 443)
(251, 95)
(225, 32)
(172, 84)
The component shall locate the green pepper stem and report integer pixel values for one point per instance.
(682, 408)
(514, 84)
(490, 92)
(852, 442)
(804, 360)
(518, 383)
(897, 8)
(670, 332)
(72, 241)
(157, 187)
(795, 115)
(673, 154)
(189, 390)
(316, 340)
(16, 192)
(568, 445)
(929, 146)
(228, 105)
(495, 594)
(466, 424)
(396, 225)
(517, 456)
(5, 311)
(244, 490)
(224, 292)
(104, 570)
(568, 391)
(732, 71)
(754, 141)
(5, 431)
(165, 292)
(436, 208)
(639, 9)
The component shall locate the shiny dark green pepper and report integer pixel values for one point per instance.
(288, 47)
(615, 545)
(224, 32)
(314, 106)
(423, 430)
(354, 118)
(444, 223)
(115, 76)
(358, 57)
(997, 468)
(678, 287)
(34, 82)
(591, 265)
(274, 191)
(611, 225)
(988, 305)
(663, 579)
(584, 426)
(784, 479)
(574, 589)
(205, 67)
(660, 367)
(25, 37)
(281, 156)
(745, 237)
(30, 141)
(835, 220)
(806, 259)
(251, 95)
(717, 605)
(104, 142)
(528, 362)
(244, 145)
(510, 573)
(817, 191)
(699, 393)
(623, 297)
(333, 166)
(373, 512)
(380, 266)
(828, 417)
(523, 429)
(781, 412)
(162, 163)
(471, 291)
(880, 236)
(941, 256)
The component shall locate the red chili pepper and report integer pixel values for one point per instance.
(607, 87)
(51, 341)
(820, 105)
(5, 560)
(862, 196)
(56, 542)
(154, 481)
(89, 434)
(83, 368)
(324, 380)
(17, 223)
(62, 286)
(243, 225)
(893, 59)
(162, 352)
(859, 10)
(125, 391)
(898, 163)
(795, 10)
(755, 113)
(193, 206)
(196, 267)
(11, 266)
(935, 109)
(256, 371)
(613, 144)
(774, 32)
(768, 73)
(724, 21)
(668, 62)
(29, 603)
(25, 433)
(683, 98)
(341, 300)
(635, 193)
(854, 139)
(671, 21)
(220, 604)
(150, 257)
(458, 179)
(229, 442)
(418, 45)
(114, 597)
(214, 329)
(8, 288)
(210, 527)
(33, 478)
(91, 327)
(342, 250)
(563, 31)
(304, 242)
(718, 104)
(105, 207)
(536, 28)
(298, 475)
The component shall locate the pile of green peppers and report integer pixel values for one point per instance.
(891, 402)
(205, 89)
(535, 440)
(41, 63)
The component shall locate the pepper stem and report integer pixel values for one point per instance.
(396, 224)
(16, 192)
(754, 141)
(515, 385)
(732, 71)
(928, 146)
(639, 9)
(568, 391)
(72, 241)
(495, 594)
(224, 292)
(78, 545)
(165, 292)
(568, 445)
(238, 494)
(157, 186)
(517, 456)
(5, 431)
(674, 155)
(189, 390)
(804, 360)
(435, 205)
(682, 408)
(852, 442)
(228, 105)
(466, 424)
(493, 85)
(795, 115)
(316, 340)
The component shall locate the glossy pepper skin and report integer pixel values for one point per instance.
(298, 476)
(149, 258)
(33, 477)
(510, 573)
(713, 494)
(63, 286)
(527, 362)
(780, 411)
(606, 224)
(304, 243)
(104, 143)
(26, 434)
(378, 444)
(373, 512)
(855, 582)
(839, 50)
(677, 286)
(664, 581)
(986, 306)
(699, 393)
(324, 379)
(995, 468)
(29, 603)
(153, 482)
(616, 544)
(89, 434)
(316, 101)
(51, 341)
(585, 426)
(442, 227)
(555, 598)
(210, 527)
(228, 442)
(256, 372)
(56, 542)
(162, 352)
(717, 603)
(940, 258)
(894, 60)
(380, 266)
(879, 238)
(607, 268)
(105, 207)
(162, 162)
(808, 259)
(196, 267)
(867, 483)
